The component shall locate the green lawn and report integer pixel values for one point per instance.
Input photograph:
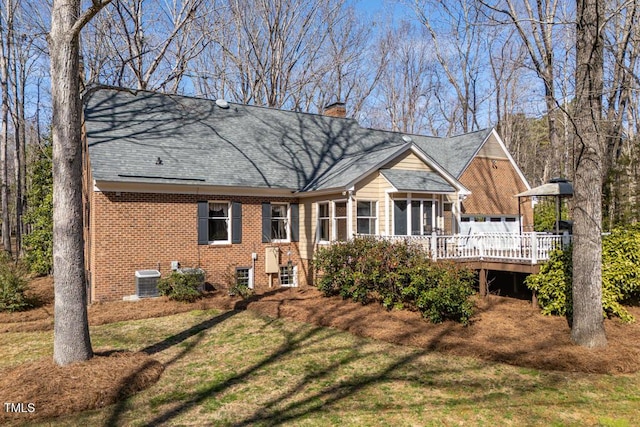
(240, 368)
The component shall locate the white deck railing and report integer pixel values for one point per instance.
(527, 247)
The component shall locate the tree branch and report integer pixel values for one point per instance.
(84, 19)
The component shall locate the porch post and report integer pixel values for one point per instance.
(520, 215)
(409, 224)
(387, 216)
(458, 212)
(349, 214)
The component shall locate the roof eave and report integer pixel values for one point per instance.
(106, 185)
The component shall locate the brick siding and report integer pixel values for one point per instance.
(493, 184)
(138, 231)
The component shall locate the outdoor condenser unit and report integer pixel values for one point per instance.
(147, 283)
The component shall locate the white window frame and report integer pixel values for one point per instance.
(435, 213)
(335, 218)
(227, 220)
(249, 276)
(435, 204)
(374, 216)
(292, 280)
(327, 218)
(287, 222)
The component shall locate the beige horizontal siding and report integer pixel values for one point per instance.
(408, 161)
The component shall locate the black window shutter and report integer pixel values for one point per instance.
(295, 222)
(203, 223)
(236, 222)
(266, 222)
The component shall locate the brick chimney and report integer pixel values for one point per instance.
(337, 109)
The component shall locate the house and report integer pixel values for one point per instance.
(247, 193)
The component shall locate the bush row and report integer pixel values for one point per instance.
(399, 275)
(620, 276)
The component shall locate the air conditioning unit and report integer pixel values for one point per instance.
(147, 283)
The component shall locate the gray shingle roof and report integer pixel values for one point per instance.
(419, 181)
(454, 153)
(129, 133)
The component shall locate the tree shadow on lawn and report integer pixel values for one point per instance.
(183, 336)
(275, 411)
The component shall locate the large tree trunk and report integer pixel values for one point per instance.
(71, 329)
(588, 322)
(5, 52)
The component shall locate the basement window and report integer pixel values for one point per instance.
(288, 275)
(243, 276)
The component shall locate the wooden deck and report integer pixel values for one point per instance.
(526, 248)
(516, 253)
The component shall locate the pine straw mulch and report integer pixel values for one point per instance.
(503, 330)
(101, 381)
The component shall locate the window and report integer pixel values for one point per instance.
(243, 276)
(400, 217)
(340, 220)
(279, 220)
(495, 219)
(366, 217)
(323, 222)
(218, 222)
(510, 219)
(420, 219)
(288, 275)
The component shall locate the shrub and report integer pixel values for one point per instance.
(182, 287)
(620, 276)
(446, 293)
(38, 243)
(621, 262)
(13, 284)
(398, 275)
(552, 284)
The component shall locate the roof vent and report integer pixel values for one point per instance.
(222, 103)
(407, 138)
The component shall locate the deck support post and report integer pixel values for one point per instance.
(483, 282)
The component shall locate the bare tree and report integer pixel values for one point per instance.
(71, 328)
(6, 37)
(406, 87)
(24, 59)
(621, 50)
(146, 45)
(274, 47)
(588, 323)
(536, 23)
(287, 54)
(459, 43)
